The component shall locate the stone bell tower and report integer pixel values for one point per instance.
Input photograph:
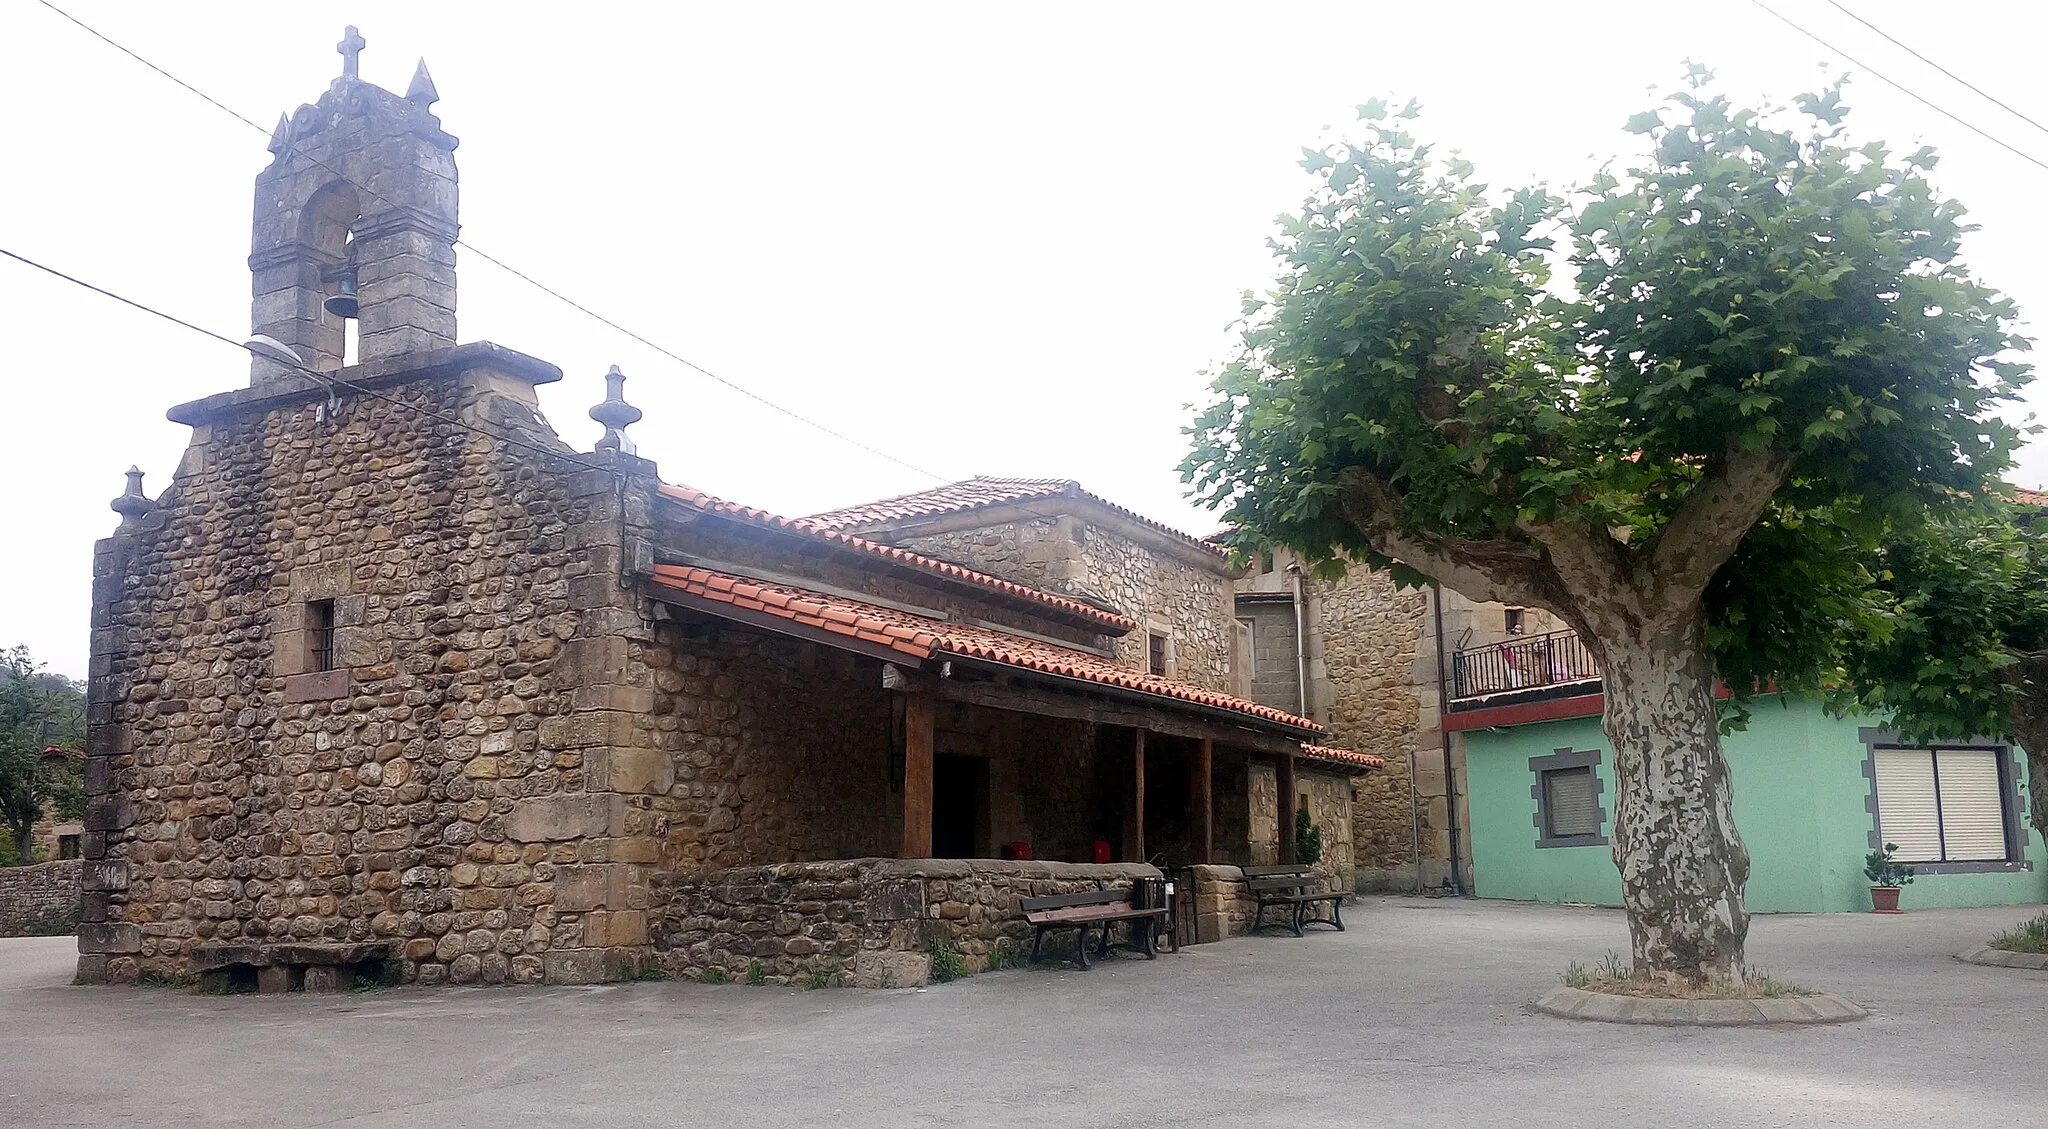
(359, 202)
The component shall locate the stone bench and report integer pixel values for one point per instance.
(312, 966)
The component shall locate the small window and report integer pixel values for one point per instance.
(1942, 805)
(320, 635)
(1515, 619)
(1155, 653)
(1567, 789)
(1573, 809)
(68, 847)
(1265, 561)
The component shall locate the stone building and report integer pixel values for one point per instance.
(389, 677)
(1382, 668)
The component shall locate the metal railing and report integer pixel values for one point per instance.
(1521, 663)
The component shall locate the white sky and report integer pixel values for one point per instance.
(989, 239)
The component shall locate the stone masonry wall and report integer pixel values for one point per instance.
(36, 897)
(872, 920)
(437, 789)
(1329, 806)
(1189, 604)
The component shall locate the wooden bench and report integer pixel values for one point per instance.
(1293, 887)
(1091, 909)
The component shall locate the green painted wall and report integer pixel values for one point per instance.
(1799, 803)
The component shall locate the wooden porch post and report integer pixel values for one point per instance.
(1201, 799)
(917, 774)
(1137, 796)
(1283, 771)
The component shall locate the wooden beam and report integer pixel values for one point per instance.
(918, 717)
(1283, 770)
(1201, 801)
(1137, 796)
(1105, 711)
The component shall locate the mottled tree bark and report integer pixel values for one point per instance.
(2030, 728)
(1682, 862)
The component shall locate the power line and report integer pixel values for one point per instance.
(514, 271)
(324, 379)
(1978, 90)
(1896, 85)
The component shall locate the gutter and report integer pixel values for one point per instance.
(1436, 601)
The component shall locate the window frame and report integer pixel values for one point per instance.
(2009, 776)
(319, 628)
(1563, 760)
(1156, 658)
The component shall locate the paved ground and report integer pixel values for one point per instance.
(1414, 1017)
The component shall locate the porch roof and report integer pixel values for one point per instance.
(912, 639)
(1343, 758)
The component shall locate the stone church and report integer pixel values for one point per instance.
(391, 681)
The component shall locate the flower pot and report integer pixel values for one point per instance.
(1885, 899)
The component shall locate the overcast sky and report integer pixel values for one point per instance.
(987, 239)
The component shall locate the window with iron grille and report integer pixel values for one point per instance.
(320, 635)
(1155, 653)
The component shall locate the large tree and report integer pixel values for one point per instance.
(39, 711)
(1766, 351)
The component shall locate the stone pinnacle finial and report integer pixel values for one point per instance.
(615, 414)
(422, 93)
(132, 503)
(281, 137)
(351, 48)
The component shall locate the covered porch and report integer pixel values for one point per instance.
(872, 778)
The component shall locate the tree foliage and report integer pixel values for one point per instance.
(1745, 289)
(38, 711)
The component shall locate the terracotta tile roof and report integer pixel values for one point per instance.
(922, 638)
(1345, 757)
(982, 492)
(2030, 497)
(805, 527)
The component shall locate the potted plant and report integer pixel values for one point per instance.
(1886, 876)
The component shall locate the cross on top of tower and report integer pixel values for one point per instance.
(351, 46)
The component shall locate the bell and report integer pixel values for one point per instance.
(344, 305)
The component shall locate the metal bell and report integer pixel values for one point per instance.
(344, 304)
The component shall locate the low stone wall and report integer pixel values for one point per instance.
(1224, 906)
(871, 920)
(40, 899)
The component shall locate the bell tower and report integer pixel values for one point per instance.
(356, 217)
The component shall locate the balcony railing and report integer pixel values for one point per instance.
(1521, 663)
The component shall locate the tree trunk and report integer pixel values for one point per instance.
(1682, 862)
(2030, 728)
(25, 844)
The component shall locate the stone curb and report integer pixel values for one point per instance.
(1603, 1007)
(2000, 958)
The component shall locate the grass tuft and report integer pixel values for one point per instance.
(2030, 936)
(1613, 975)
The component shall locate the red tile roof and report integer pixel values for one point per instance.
(805, 527)
(921, 638)
(1344, 757)
(983, 492)
(2030, 497)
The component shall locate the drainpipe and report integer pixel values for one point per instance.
(1436, 599)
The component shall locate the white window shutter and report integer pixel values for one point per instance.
(1905, 803)
(1972, 805)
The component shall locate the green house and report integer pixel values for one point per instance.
(1813, 794)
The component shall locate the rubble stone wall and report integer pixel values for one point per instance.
(39, 898)
(871, 921)
(1192, 605)
(431, 790)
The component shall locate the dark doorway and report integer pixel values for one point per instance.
(959, 807)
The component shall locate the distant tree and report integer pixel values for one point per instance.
(1955, 642)
(1770, 354)
(38, 711)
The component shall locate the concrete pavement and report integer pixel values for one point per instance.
(1413, 1018)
